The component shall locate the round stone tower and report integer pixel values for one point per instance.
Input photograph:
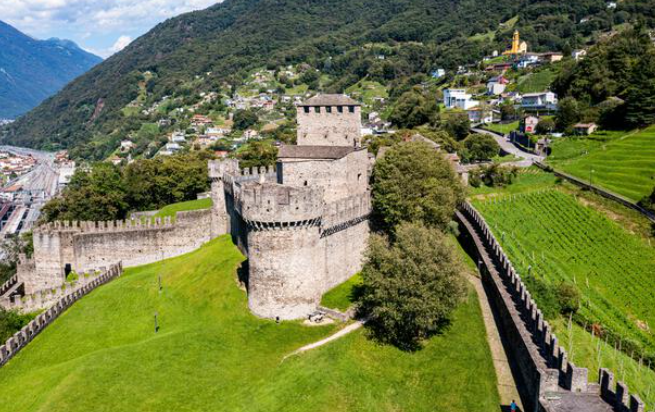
(286, 272)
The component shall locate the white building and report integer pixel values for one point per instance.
(479, 115)
(578, 54)
(542, 100)
(458, 99)
(178, 137)
(496, 86)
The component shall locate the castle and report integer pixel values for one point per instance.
(518, 47)
(303, 224)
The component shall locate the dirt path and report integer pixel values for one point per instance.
(506, 385)
(343, 332)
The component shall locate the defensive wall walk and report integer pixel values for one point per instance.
(24, 336)
(546, 379)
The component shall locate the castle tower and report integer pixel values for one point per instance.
(516, 42)
(220, 219)
(329, 120)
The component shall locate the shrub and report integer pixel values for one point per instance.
(569, 298)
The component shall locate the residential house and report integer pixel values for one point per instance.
(528, 60)
(499, 67)
(178, 137)
(585, 128)
(199, 120)
(496, 85)
(164, 122)
(578, 54)
(439, 73)
(480, 115)
(552, 57)
(126, 146)
(172, 147)
(458, 99)
(250, 134)
(529, 124)
(217, 131)
(542, 100)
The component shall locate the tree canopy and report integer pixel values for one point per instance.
(410, 285)
(413, 182)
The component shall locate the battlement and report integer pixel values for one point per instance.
(277, 203)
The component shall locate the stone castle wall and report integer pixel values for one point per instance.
(88, 246)
(338, 127)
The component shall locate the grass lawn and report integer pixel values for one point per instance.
(623, 162)
(503, 128)
(528, 180)
(342, 296)
(554, 236)
(366, 91)
(171, 210)
(211, 354)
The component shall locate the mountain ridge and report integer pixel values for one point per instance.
(31, 70)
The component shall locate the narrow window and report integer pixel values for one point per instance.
(305, 183)
(328, 109)
(306, 109)
(340, 109)
(351, 109)
(317, 109)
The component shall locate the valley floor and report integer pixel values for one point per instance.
(211, 354)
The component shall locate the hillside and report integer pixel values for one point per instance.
(212, 50)
(32, 70)
(211, 354)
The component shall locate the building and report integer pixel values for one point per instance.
(579, 54)
(482, 115)
(302, 224)
(552, 57)
(438, 74)
(178, 137)
(458, 99)
(497, 85)
(529, 124)
(585, 128)
(539, 101)
(518, 47)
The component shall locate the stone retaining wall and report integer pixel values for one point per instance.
(32, 329)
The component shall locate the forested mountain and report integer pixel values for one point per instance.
(32, 70)
(385, 40)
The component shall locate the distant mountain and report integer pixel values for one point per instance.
(32, 70)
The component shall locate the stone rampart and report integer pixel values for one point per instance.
(60, 247)
(618, 397)
(32, 329)
(540, 363)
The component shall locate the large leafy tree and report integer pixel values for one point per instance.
(411, 285)
(414, 182)
(480, 147)
(414, 108)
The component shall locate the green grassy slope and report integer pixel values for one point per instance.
(171, 210)
(211, 354)
(535, 82)
(342, 296)
(621, 162)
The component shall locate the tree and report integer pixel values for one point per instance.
(569, 298)
(508, 111)
(411, 285)
(413, 109)
(244, 119)
(546, 125)
(640, 97)
(456, 123)
(258, 154)
(414, 182)
(480, 146)
(568, 114)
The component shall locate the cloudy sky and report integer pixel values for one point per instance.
(100, 26)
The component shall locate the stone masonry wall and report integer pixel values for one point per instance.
(32, 329)
(329, 129)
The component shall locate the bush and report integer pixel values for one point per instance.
(569, 298)
(410, 286)
(493, 175)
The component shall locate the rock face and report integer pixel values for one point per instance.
(32, 70)
(303, 224)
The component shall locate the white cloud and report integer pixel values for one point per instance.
(120, 44)
(94, 22)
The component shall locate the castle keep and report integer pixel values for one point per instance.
(303, 224)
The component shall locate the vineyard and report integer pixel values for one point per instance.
(623, 163)
(551, 237)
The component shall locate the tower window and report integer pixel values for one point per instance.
(306, 109)
(317, 109)
(328, 109)
(351, 109)
(340, 109)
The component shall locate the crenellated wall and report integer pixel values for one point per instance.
(88, 246)
(32, 329)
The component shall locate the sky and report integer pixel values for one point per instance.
(102, 27)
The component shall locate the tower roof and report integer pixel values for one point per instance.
(330, 100)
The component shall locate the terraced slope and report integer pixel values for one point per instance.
(211, 354)
(621, 162)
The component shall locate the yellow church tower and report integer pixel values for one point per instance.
(518, 47)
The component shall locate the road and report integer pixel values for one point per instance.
(527, 158)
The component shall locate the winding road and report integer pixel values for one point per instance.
(527, 158)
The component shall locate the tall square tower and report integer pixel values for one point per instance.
(329, 120)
